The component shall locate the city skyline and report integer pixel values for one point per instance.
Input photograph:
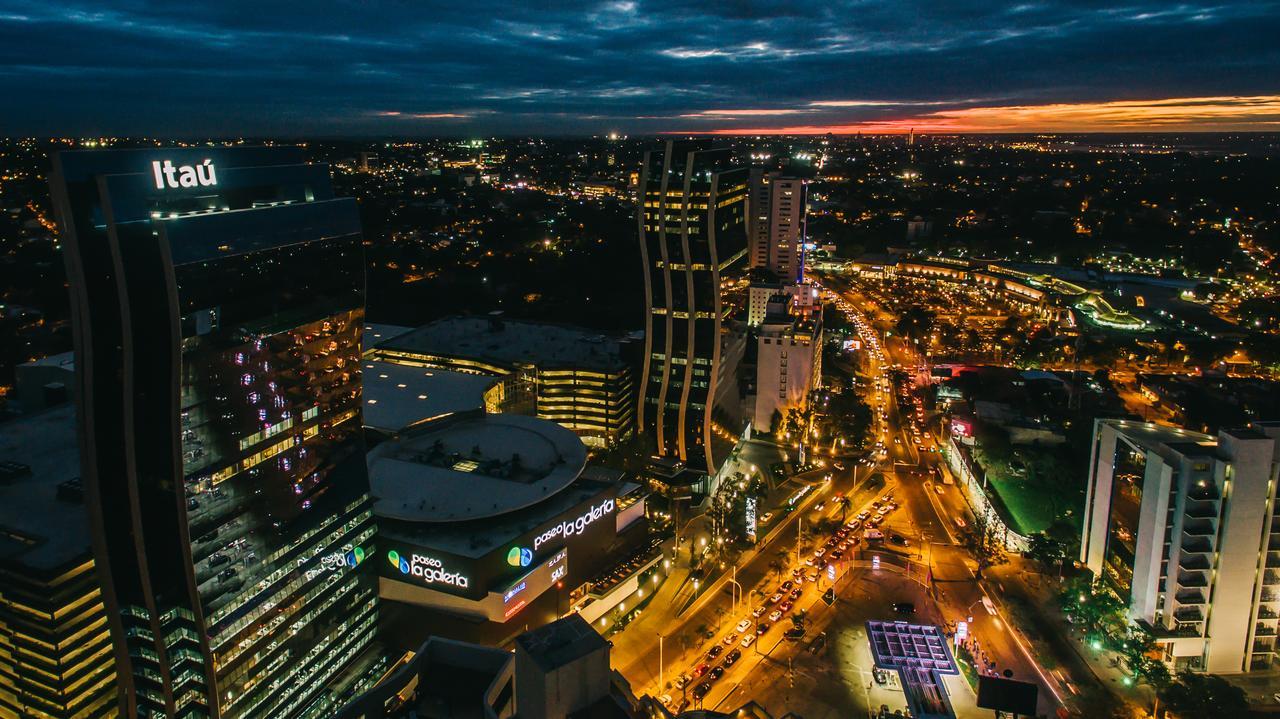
(638, 68)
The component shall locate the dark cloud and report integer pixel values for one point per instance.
(232, 66)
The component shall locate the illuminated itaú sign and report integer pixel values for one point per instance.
(170, 176)
(428, 569)
(569, 528)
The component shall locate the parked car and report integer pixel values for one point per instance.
(730, 638)
(775, 615)
(715, 673)
(748, 640)
(732, 657)
(700, 670)
(762, 627)
(714, 652)
(701, 690)
(757, 612)
(744, 625)
(775, 599)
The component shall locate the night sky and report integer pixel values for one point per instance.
(418, 67)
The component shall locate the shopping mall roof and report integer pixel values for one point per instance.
(398, 396)
(473, 465)
(512, 343)
(42, 526)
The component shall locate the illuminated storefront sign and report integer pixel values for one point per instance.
(427, 569)
(961, 428)
(569, 528)
(169, 176)
(751, 518)
(520, 556)
(533, 584)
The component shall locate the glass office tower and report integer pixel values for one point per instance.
(692, 233)
(218, 299)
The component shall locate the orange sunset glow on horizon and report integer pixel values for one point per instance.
(1256, 113)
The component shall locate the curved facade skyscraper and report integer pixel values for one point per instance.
(218, 299)
(692, 226)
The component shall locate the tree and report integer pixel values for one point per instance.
(1203, 695)
(982, 539)
(915, 323)
(1046, 550)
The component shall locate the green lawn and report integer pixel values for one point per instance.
(1036, 497)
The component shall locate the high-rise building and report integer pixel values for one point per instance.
(1185, 528)
(692, 224)
(218, 299)
(776, 223)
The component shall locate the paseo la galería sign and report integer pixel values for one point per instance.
(428, 569)
(171, 176)
(571, 527)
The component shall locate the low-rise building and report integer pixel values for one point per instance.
(56, 656)
(576, 377)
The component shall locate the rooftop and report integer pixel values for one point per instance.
(37, 529)
(561, 642)
(478, 537)
(473, 466)
(376, 334)
(397, 396)
(513, 343)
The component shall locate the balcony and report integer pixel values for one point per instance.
(1273, 560)
(1189, 614)
(1196, 562)
(1199, 528)
(1264, 630)
(1270, 577)
(1269, 595)
(1267, 613)
(1189, 596)
(1192, 579)
(1207, 493)
(1201, 510)
(1199, 545)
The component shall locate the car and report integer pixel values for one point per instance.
(809, 561)
(775, 615)
(937, 488)
(812, 576)
(898, 539)
(762, 628)
(837, 554)
(793, 634)
(775, 599)
(730, 638)
(838, 465)
(961, 523)
(820, 564)
(862, 516)
(785, 585)
(795, 593)
(764, 518)
(714, 651)
(819, 551)
(821, 506)
(743, 625)
(218, 558)
(700, 670)
(715, 673)
(843, 545)
(683, 680)
(748, 640)
(757, 611)
(904, 608)
(226, 575)
(732, 657)
(786, 606)
(701, 690)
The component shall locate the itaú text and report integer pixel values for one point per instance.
(168, 175)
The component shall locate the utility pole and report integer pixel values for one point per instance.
(661, 678)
